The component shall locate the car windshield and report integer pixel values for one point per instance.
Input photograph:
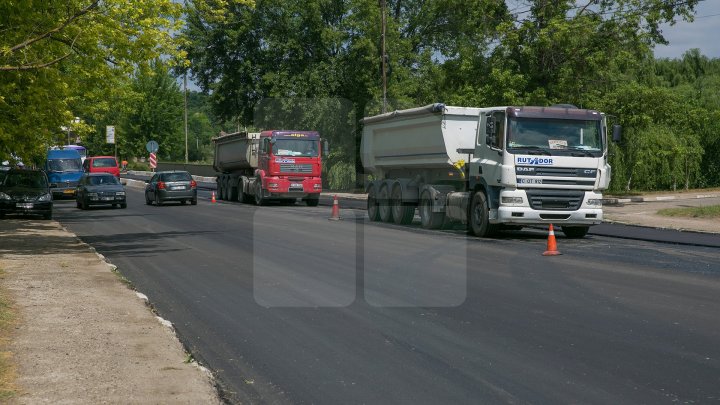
(28, 180)
(295, 147)
(176, 177)
(554, 134)
(97, 180)
(104, 162)
(65, 165)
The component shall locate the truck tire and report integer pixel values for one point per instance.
(311, 201)
(259, 199)
(575, 232)
(372, 205)
(233, 193)
(402, 213)
(384, 205)
(428, 218)
(479, 221)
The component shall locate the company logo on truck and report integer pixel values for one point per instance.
(533, 160)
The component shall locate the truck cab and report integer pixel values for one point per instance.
(542, 164)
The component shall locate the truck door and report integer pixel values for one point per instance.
(263, 155)
(492, 156)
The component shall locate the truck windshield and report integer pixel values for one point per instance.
(64, 165)
(555, 134)
(295, 147)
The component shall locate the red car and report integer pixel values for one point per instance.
(101, 164)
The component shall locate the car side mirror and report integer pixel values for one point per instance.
(617, 133)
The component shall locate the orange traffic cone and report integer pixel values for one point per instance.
(335, 210)
(213, 197)
(551, 244)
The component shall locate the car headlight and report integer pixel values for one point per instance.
(120, 193)
(4, 196)
(594, 202)
(45, 197)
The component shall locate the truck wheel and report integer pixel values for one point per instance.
(259, 199)
(402, 213)
(428, 218)
(233, 193)
(372, 205)
(222, 192)
(312, 201)
(575, 232)
(384, 205)
(479, 216)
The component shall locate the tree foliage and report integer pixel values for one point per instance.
(60, 57)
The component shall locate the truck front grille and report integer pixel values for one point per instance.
(293, 168)
(558, 200)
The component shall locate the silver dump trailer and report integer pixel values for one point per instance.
(489, 168)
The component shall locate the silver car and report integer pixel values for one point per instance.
(171, 186)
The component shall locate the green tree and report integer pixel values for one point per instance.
(58, 57)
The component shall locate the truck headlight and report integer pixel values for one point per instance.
(45, 197)
(511, 200)
(594, 202)
(272, 185)
(317, 186)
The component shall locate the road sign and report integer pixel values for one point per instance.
(110, 133)
(153, 161)
(152, 147)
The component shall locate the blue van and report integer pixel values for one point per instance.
(64, 169)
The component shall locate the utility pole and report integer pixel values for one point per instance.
(186, 127)
(383, 56)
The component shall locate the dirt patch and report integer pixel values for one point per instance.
(82, 335)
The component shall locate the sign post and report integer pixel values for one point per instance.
(110, 137)
(152, 147)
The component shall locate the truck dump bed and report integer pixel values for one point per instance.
(426, 137)
(236, 151)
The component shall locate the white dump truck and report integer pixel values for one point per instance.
(490, 168)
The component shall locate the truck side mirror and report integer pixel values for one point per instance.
(326, 148)
(490, 137)
(617, 133)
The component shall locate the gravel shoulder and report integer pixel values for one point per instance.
(83, 336)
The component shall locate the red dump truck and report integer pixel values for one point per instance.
(279, 165)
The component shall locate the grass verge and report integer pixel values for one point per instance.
(711, 211)
(7, 366)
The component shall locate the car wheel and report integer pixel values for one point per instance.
(84, 205)
(77, 203)
(158, 201)
(193, 201)
(148, 201)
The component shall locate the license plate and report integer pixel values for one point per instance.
(24, 205)
(107, 198)
(69, 191)
(177, 188)
(296, 185)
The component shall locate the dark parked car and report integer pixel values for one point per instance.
(25, 192)
(171, 186)
(100, 189)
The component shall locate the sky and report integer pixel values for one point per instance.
(703, 33)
